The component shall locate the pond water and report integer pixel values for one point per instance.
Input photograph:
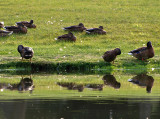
(116, 95)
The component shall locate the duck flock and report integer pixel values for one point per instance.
(142, 53)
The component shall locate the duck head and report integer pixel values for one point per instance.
(149, 44)
(101, 27)
(20, 48)
(70, 34)
(118, 51)
(80, 24)
(31, 22)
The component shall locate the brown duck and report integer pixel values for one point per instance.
(27, 24)
(96, 30)
(25, 52)
(67, 37)
(5, 33)
(111, 55)
(143, 53)
(80, 27)
(1, 24)
(17, 29)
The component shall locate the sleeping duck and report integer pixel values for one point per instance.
(27, 24)
(67, 37)
(17, 29)
(143, 53)
(1, 24)
(111, 55)
(79, 27)
(5, 33)
(25, 52)
(96, 30)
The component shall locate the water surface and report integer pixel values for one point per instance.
(80, 96)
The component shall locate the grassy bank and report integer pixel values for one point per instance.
(129, 25)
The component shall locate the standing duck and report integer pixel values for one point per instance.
(80, 27)
(67, 37)
(5, 33)
(17, 29)
(143, 53)
(96, 30)
(27, 24)
(25, 52)
(1, 24)
(111, 55)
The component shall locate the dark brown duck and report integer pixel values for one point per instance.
(111, 55)
(27, 24)
(67, 37)
(17, 29)
(25, 52)
(143, 53)
(96, 30)
(80, 27)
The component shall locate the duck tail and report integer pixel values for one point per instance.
(129, 80)
(88, 32)
(130, 53)
(10, 33)
(64, 28)
(2, 23)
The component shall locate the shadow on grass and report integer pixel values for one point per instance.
(63, 67)
(126, 66)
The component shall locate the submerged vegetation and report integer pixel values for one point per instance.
(129, 25)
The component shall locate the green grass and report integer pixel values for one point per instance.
(129, 25)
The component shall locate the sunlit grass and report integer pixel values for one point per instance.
(129, 25)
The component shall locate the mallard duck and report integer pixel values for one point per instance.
(17, 29)
(110, 80)
(111, 55)
(5, 33)
(143, 53)
(143, 80)
(79, 27)
(67, 37)
(27, 24)
(96, 30)
(25, 52)
(1, 24)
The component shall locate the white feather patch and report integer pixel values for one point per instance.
(130, 53)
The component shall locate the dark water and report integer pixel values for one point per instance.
(120, 108)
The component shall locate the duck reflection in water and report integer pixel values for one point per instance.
(26, 84)
(143, 80)
(110, 80)
(95, 86)
(71, 86)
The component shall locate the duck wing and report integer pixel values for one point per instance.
(71, 27)
(63, 36)
(139, 50)
(28, 50)
(93, 29)
(11, 27)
